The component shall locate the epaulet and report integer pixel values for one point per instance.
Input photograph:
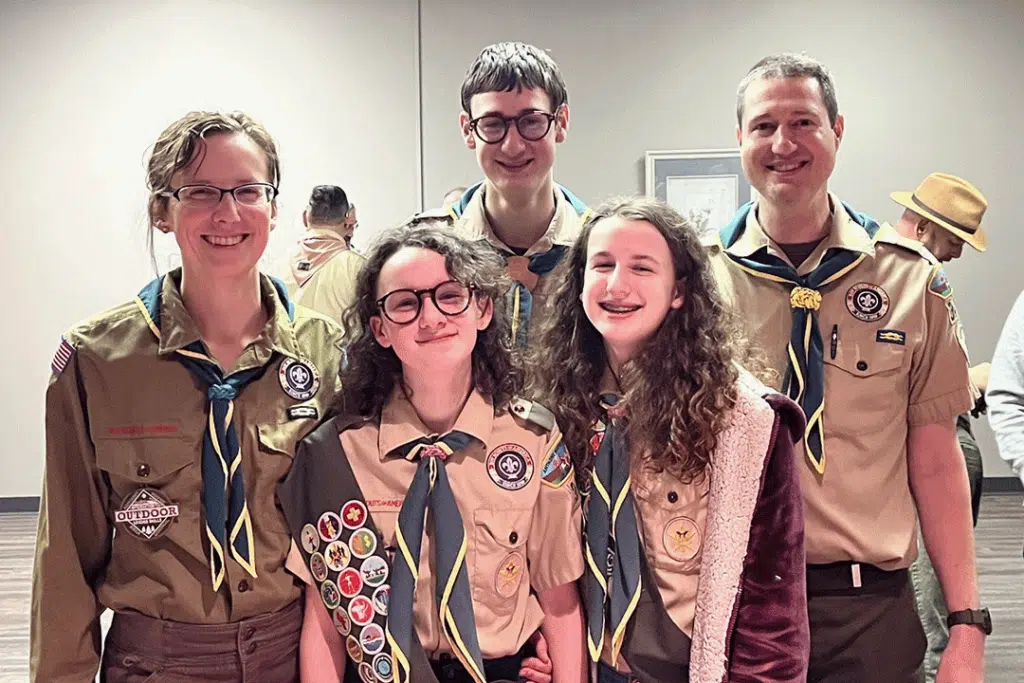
(710, 240)
(888, 235)
(533, 413)
(438, 215)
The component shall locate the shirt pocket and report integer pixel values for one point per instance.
(499, 572)
(872, 371)
(672, 515)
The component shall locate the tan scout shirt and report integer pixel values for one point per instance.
(124, 418)
(886, 371)
(518, 540)
(332, 289)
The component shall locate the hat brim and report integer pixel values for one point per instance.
(976, 239)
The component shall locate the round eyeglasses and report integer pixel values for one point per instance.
(532, 126)
(402, 306)
(205, 196)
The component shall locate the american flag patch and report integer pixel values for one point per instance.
(64, 353)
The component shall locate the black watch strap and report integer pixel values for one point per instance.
(973, 617)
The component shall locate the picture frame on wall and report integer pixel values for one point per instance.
(706, 186)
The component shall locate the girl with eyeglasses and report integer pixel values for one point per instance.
(437, 526)
(170, 419)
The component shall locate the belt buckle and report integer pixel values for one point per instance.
(855, 575)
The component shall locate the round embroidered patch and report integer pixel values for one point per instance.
(337, 555)
(342, 621)
(374, 571)
(299, 378)
(867, 302)
(509, 575)
(317, 567)
(366, 673)
(330, 595)
(354, 649)
(329, 526)
(362, 543)
(372, 639)
(310, 539)
(381, 598)
(510, 466)
(350, 582)
(146, 514)
(382, 667)
(682, 539)
(353, 515)
(361, 610)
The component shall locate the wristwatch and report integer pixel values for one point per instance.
(973, 617)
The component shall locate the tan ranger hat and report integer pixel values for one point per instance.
(951, 202)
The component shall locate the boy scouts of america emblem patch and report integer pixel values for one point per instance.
(867, 302)
(558, 468)
(146, 514)
(510, 466)
(299, 379)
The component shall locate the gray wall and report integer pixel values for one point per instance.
(925, 85)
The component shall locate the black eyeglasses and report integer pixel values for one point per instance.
(402, 306)
(250, 194)
(532, 126)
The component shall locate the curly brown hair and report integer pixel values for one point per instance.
(680, 386)
(371, 371)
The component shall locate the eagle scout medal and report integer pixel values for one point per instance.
(363, 543)
(361, 610)
(510, 466)
(867, 302)
(372, 639)
(310, 539)
(374, 571)
(380, 600)
(682, 539)
(353, 515)
(146, 514)
(337, 556)
(350, 582)
(509, 575)
(299, 378)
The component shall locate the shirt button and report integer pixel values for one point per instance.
(249, 633)
(513, 537)
(673, 497)
(862, 366)
(243, 586)
(251, 648)
(143, 470)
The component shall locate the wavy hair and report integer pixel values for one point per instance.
(372, 371)
(681, 384)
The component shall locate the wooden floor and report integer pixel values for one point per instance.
(1000, 534)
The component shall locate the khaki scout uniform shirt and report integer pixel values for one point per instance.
(886, 371)
(518, 539)
(331, 288)
(123, 416)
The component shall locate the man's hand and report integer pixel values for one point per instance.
(537, 669)
(979, 376)
(964, 658)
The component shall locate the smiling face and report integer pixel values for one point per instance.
(433, 344)
(787, 144)
(629, 284)
(224, 241)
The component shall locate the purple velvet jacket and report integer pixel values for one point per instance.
(751, 616)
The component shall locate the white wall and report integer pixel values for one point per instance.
(925, 85)
(85, 90)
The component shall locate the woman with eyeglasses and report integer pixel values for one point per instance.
(438, 528)
(170, 420)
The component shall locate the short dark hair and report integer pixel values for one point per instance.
(504, 67)
(791, 65)
(328, 204)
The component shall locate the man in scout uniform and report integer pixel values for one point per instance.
(943, 214)
(856, 321)
(322, 270)
(515, 111)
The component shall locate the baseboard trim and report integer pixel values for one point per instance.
(26, 504)
(1003, 485)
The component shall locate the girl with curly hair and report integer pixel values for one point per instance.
(694, 525)
(434, 427)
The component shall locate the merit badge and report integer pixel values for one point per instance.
(509, 575)
(374, 571)
(510, 466)
(382, 667)
(330, 595)
(310, 540)
(63, 355)
(558, 468)
(361, 610)
(353, 514)
(337, 555)
(329, 526)
(317, 567)
(299, 379)
(381, 598)
(350, 582)
(366, 673)
(682, 539)
(342, 622)
(363, 543)
(355, 650)
(372, 639)
(867, 302)
(146, 514)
